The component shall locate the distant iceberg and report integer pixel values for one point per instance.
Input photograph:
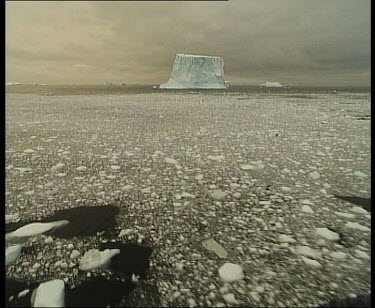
(196, 72)
(9, 83)
(272, 84)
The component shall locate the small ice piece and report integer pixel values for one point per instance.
(283, 238)
(114, 167)
(230, 299)
(50, 294)
(308, 252)
(307, 202)
(218, 158)
(81, 168)
(215, 247)
(127, 187)
(247, 167)
(359, 174)
(362, 254)
(170, 161)
(11, 218)
(230, 272)
(327, 234)
(218, 194)
(75, 254)
(314, 175)
(125, 232)
(338, 255)
(307, 209)
(358, 210)
(357, 226)
(94, 258)
(12, 253)
(29, 151)
(286, 189)
(23, 293)
(57, 167)
(311, 262)
(199, 177)
(36, 228)
(345, 215)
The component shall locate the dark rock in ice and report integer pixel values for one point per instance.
(98, 292)
(133, 258)
(13, 288)
(363, 202)
(359, 301)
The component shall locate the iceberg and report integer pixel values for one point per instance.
(272, 84)
(196, 72)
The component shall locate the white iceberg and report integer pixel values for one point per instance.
(94, 258)
(272, 84)
(50, 294)
(196, 72)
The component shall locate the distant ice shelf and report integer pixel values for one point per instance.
(196, 72)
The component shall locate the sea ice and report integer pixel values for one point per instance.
(50, 294)
(310, 262)
(345, 215)
(359, 210)
(283, 238)
(11, 218)
(230, 272)
(218, 194)
(94, 258)
(307, 209)
(308, 252)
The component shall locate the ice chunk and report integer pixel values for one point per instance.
(359, 210)
(308, 252)
(310, 262)
(35, 228)
(50, 294)
(283, 238)
(11, 218)
(214, 246)
(196, 72)
(94, 258)
(345, 215)
(357, 226)
(327, 234)
(218, 158)
(12, 253)
(218, 194)
(307, 209)
(170, 161)
(230, 272)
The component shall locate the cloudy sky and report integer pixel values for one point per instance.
(309, 42)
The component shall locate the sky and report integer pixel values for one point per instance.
(295, 42)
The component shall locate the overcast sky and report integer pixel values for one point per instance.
(297, 42)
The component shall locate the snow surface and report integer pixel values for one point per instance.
(50, 294)
(230, 272)
(196, 72)
(94, 258)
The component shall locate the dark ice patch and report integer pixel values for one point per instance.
(13, 288)
(133, 258)
(359, 301)
(363, 202)
(84, 220)
(98, 292)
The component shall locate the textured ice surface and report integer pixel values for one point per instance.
(94, 258)
(196, 72)
(50, 294)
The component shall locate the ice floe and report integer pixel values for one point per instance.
(94, 258)
(230, 272)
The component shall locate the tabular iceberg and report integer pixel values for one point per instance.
(196, 72)
(272, 84)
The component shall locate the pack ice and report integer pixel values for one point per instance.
(196, 72)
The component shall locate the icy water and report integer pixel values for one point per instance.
(257, 171)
